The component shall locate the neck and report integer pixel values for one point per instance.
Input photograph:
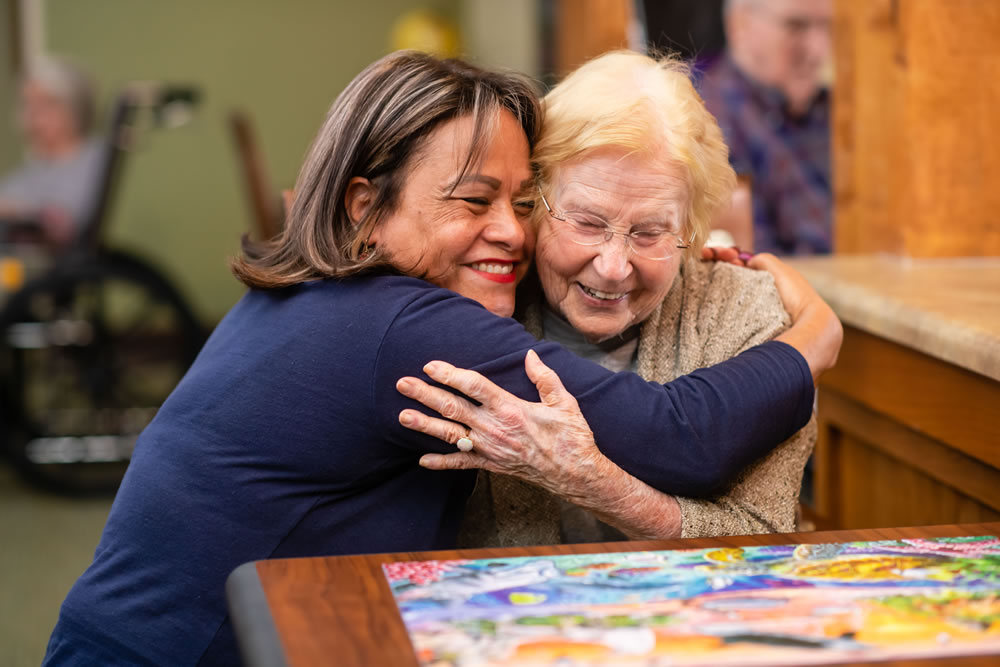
(554, 321)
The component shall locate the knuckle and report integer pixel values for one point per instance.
(450, 408)
(474, 383)
(454, 463)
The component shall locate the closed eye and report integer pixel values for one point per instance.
(590, 225)
(476, 201)
(525, 206)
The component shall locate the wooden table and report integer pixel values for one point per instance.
(339, 610)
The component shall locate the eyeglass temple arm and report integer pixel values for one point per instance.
(548, 208)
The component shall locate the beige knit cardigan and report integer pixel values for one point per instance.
(711, 313)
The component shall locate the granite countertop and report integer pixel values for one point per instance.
(948, 308)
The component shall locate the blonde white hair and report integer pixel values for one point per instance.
(643, 104)
(68, 83)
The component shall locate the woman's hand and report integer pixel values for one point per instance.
(815, 332)
(729, 255)
(548, 444)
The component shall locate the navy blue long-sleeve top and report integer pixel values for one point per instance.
(283, 440)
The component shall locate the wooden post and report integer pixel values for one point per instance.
(916, 127)
(587, 28)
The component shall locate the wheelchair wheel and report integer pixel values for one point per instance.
(90, 351)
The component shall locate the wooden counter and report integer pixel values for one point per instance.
(909, 428)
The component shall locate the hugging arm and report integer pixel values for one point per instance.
(569, 465)
(688, 436)
(763, 498)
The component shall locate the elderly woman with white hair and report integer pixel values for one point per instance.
(632, 169)
(57, 185)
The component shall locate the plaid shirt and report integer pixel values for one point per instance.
(787, 158)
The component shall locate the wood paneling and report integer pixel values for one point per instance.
(587, 28)
(871, 472)
(904, 439)
(916, 145)
(924, 394)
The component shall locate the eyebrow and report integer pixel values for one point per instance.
(597, 209)
(489, 181)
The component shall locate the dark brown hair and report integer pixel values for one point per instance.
(373, 130)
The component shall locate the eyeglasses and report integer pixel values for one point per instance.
(798, 26)
(658, 244)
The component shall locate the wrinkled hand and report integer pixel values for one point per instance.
(816, 332)
(548, 444)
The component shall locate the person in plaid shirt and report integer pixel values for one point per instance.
(768, 95)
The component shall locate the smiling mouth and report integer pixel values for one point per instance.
(602, 296)
(500, 272)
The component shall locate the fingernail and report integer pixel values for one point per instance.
(404, 385)
(432, 367)
(426, 460)
(405, 418)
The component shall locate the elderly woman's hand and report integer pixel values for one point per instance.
(548, 444)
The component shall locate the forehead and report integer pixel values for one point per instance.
(616, 178)
(447, 149)
(801, 8)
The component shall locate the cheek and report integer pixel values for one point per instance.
(557, 264)
(530, 241)
(656, 282)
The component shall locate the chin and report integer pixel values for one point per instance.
(499, 306)
(597, 335)
(505, 310)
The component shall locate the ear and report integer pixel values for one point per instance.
(358, 199)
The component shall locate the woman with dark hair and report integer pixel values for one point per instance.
(408, 233)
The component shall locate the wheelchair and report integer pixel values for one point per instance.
(91, 346)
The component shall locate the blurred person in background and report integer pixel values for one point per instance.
(769, 94)
(56, 187)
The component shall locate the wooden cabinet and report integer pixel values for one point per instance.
(909, 419)
(905, 439)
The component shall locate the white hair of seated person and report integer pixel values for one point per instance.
(68, 83)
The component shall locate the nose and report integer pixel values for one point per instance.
(816, 39)
(614, 260)
(506, 229)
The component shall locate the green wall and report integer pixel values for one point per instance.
(9, 146)
(181, 203)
